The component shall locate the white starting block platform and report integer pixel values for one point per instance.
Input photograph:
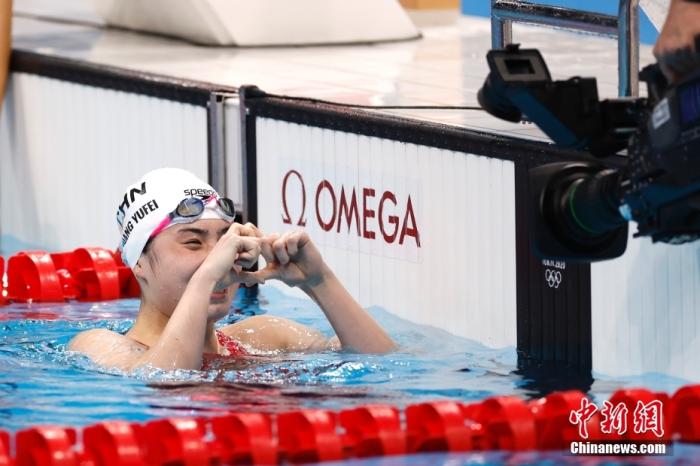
(243, 22)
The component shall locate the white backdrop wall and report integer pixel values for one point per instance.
(67, 151)
(454, 265)
(644, 312)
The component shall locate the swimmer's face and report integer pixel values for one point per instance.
(173, 257)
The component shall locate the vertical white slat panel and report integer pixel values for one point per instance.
(486, 241)
(508, 293)
(330, 167)
(644, 308)
(398, 183)
(353, 156)
(688, 319)
(483, 239)
(434, 237)
(460, 246)
(449, 288)
(472, 265)
(366, 272)
(343, 172)
(64, 142)
(497, 237)
(646, 320)
(376, 248)
(461, 211)
(424, 191)
(385, 255)
(674, 324)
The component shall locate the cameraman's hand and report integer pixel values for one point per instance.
(675, 47)
(292, 258)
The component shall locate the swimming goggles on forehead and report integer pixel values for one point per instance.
(191, 208)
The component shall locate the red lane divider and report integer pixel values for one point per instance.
(86, 274)
(309, 436)
(551, 413)
(503, 422)
(685, 414)
(373, 431)
(2, 296)
(508, 423)
(112, 443)
(47, 446)
(31, 276)
(176, 441)
(438, 426)
(246, 438)
(5, 459)
(632, 400)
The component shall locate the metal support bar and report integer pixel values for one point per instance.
(628, 48)
(625, 28)
(217, 143)
(248, 156)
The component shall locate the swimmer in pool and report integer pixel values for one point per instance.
(179, 238)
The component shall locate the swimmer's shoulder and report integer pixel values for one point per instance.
(256, 332)
(106, 348)
(88, 339)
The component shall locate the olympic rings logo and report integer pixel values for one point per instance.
(553, 278)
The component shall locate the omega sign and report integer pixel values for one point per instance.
(363, 211)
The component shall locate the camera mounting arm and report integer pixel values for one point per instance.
(569, 111)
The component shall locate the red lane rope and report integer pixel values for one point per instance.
(313, 435)
(86, 274)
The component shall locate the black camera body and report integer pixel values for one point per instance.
(582, 207)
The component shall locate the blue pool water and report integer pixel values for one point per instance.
(42, 383)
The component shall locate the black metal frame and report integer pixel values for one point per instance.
(118, 79)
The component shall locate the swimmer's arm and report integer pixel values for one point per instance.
(294, 259)
(270, 333)
(356, 329)
(179, 346)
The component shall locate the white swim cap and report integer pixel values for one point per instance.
(146, 203)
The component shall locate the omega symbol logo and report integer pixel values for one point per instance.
(553, 278)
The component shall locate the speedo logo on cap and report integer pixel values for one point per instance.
(131, 195)
(199, 192)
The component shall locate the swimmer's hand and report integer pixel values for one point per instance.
(675, 47)
(292, 258)
(237, 249)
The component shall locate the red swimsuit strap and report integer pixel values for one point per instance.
(233, 347)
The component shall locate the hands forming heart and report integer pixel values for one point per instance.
(291, 257)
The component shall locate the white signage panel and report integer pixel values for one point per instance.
(425, 233)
